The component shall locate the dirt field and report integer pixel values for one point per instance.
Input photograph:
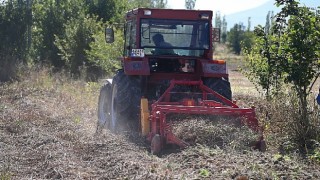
(47, 131)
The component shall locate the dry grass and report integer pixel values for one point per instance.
(215, 132)
(47, 126)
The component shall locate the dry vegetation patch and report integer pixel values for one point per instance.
(47, 131)
(216, 132)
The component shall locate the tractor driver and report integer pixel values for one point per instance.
(159, 42)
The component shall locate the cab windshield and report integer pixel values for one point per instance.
(174, 37)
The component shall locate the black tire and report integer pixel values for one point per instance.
(104, 111)
(125, 102)
(219, 85)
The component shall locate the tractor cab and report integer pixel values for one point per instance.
(170, 41)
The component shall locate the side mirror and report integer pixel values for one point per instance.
(216, 34)
(109, 35)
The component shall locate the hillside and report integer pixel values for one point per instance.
(47, 131)
(258, 15)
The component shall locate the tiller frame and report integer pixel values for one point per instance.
(159, 132)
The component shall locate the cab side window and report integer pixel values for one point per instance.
(130, 37)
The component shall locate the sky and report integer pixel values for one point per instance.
(237, 11)
(224, 6)
(227, 7)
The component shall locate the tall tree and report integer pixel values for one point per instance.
(190, 4)
(292, 51)
(140, 3)
(159, 3)
(112, 10)
(29, 22)
(234, 38)
(13, 36)
(224, 30)
(268, 23)
(217, 22)
(14, 23)
(50, 17)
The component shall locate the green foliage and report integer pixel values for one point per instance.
(217, 21)
(235, 36)
(106, 55)
(247, 40)
(140, 3)
(51, 17)
(159, 3)
(5, 175)
(239, 38)
(77, 37)
(63, 31)
(262, 61)
(66, 34)
(147, 3)
(189, 4)
(315, 156)
(14, 23)
(301, 46)
(224, 30)
(204, 173)
(108, 11)
(290, 54)
(269, 22)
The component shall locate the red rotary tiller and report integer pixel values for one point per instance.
(158, 130)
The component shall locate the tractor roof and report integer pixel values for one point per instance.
(170, 14)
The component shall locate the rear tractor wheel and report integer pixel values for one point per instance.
(219, 85)
(120, 107)
(104, 111)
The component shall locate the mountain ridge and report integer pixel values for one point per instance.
(258, 15)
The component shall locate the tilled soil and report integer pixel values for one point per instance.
(47, 131)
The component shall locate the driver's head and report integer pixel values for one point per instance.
(157, 39)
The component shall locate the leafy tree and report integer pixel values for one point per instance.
(14, 23)
(140, 3)
(249, 24)
(292, 52)
(268, 25)
(263, 61)
(159, 3)
(106, 55)
(240, 38)
(50, 17)
(217, 21)
(247, 40)
(190, 4)
(300, 60)
(235, 36)
(109, 11)
(77, 37)
(224, 30)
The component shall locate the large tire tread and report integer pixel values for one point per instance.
(127, 100)
(103, 106)
(219, 85)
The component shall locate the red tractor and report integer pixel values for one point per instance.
(168, 68)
